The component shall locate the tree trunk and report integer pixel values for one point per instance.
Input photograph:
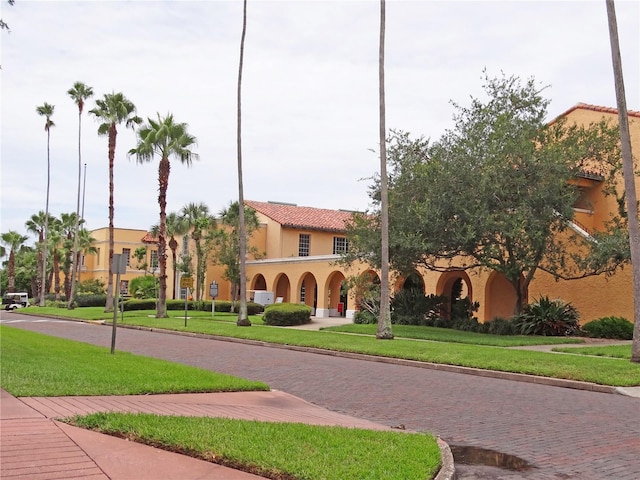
(163, 179)
(384, 321)
(75, 268)
(629, 177)
(43, 285)
(243, 317)
(113, 132)
(173, 245)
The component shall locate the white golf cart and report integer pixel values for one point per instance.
(11, 301)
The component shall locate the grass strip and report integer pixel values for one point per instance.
(281, 450)
(455, 336)
(571, 367)
(39, 365)
(613, 351)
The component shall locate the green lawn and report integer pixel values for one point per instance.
(273, 449)
(456, 336)
(613, 351)
(40, 365)
(602, 371)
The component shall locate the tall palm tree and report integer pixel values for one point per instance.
(55, 246)
(113, 110)
(384, 322)
(164, 138)
(78, 93)
(628, 173)
(35, 225)
(68, 221)
(243, 317)
(46, 110)
(13, 240)
(198, 220)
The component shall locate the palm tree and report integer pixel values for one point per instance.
(46, 110)
(36, 225)
(197, 219)
(629, 177)
(384, 322)
(165, 138)
(111, 111)
(78, 93)
(55, 246)
(14, 241)
(175, 226)
(68, 221)
(243, 317)
(85, 245)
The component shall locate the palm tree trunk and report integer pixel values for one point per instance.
(629, 177)
(113, 132)
(43, 285)
(163, 178)
(75, 266)
(384, 321)
(243, 317)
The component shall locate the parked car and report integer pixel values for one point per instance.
(15, 300)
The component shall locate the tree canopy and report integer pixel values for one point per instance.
(497, 191)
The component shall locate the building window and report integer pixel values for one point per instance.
(185, 244)
(98, 256)
(340, 245)
(124, 287)
(154, 260)
(126, 252)
(303, 293)
(303, 245)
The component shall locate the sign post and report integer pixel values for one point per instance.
(186, 281)
(213, 293)
(118, 266)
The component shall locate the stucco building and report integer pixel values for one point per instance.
(300, 247)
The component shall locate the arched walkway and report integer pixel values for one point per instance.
(455, 285)
(282, 288)
(337, 299)
(308, 291)
(258, 282)
(500, 297)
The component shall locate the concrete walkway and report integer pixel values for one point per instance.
(35, 446)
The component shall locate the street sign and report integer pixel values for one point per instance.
(186, 281)
(213, 289)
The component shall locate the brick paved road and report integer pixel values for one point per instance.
(565, 434)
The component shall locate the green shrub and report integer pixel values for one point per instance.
(500, 326)
(412, 307)
(91, 287)
(95, 300)
(144, 287)
(548, 317)
(364, 316)
(609, 327)
(286, 314)
(135, 304)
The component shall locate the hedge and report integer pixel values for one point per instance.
(287, 314)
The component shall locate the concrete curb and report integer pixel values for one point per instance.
(448, 468)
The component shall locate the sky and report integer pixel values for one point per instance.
(309, 94)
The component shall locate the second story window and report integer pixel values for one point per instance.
(340, 245)
(154, 260)
(126, 252)
(303, 245)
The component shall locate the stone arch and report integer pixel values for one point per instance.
(500, 297)
(337, 300)
(307, 291)
(258, 282)
(448, 283)
(282, 287)
(408, 282)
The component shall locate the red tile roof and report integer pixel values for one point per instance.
(309, 218)
(149, 238)
(596, 108)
